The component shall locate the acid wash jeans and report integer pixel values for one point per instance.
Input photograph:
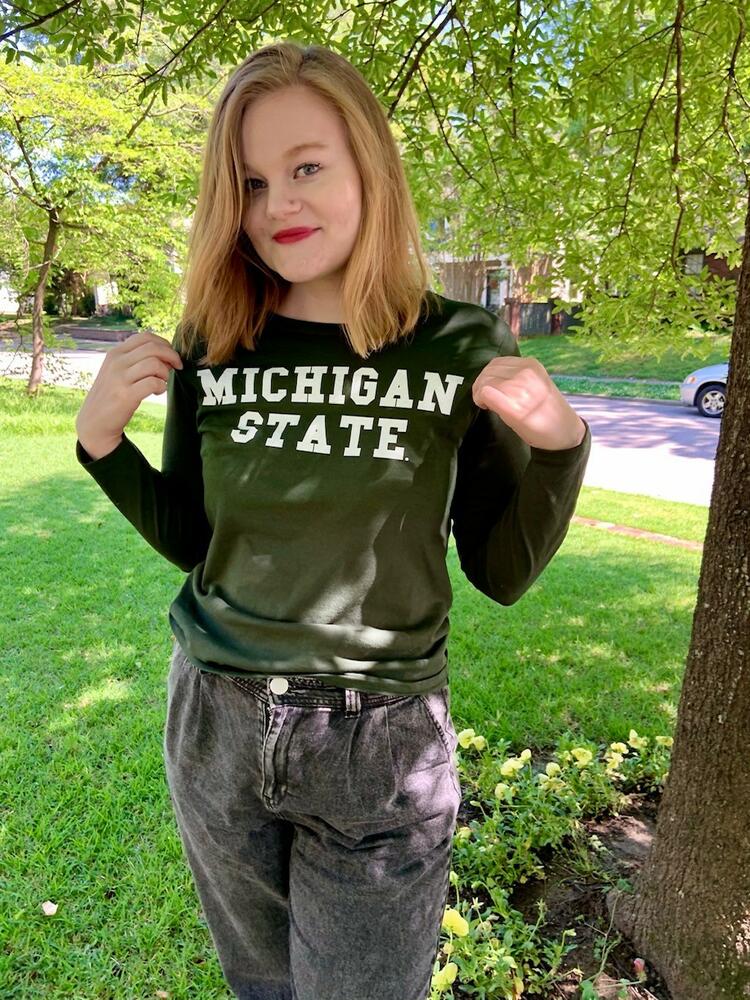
(318, 826)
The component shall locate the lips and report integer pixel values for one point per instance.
(292, 235)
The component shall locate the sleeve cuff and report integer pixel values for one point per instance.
(85, 459)
(563, 456)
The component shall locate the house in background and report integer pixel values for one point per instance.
(498, 286)
(106, 294)
(495, 284)
(695, 259)
(8, 296)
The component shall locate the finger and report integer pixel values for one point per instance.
(150, 344)
(494, 398)
(146, 368)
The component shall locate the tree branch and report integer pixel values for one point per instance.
(677, 127)
(37, 20)
(422, 49)
(160, 70)
(642, 41)
(731, 73)
(450, 148)
(509, 71)
(40, 194)
(640, 131)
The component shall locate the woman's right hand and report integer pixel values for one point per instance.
(134, 369)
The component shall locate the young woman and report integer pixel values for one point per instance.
(330, 420)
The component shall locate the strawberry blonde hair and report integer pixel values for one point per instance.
(229, 291)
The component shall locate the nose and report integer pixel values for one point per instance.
(280, 200)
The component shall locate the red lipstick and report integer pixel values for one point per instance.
(292, 235)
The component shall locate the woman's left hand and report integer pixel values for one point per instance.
(523, 395)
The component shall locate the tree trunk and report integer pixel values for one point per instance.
(690, 914)
(37, 313)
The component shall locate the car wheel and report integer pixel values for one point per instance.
(710, 400)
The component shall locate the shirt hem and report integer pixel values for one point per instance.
(369, 682)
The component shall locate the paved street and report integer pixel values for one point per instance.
(656, 449)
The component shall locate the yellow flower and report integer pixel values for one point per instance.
(582, 755)
(553, 784)
(447, 947)
(664, 741)
(445, 977)
(501, 789)
(619, 747)
(614, 761)
(636, 741)
(552, 768)
(526, 754)
(465, 737)
(463, 832)
(510, 766)
(479, 742)
(454, 922)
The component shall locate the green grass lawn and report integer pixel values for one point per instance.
(560, 355)
(577, 369)
(596, 647)
(108, 321)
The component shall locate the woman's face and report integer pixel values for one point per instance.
(315, 187)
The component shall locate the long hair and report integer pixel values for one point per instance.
(229, 290)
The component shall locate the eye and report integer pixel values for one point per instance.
(316, 165)
(249, 181)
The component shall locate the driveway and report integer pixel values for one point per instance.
(656, 449)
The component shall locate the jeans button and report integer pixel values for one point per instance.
(279, 685)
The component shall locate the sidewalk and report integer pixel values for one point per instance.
(623, 399)
(650, 536)
(85, 338)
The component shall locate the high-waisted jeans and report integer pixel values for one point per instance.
(318, 826)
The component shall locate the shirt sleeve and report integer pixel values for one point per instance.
(166, 507)
(512, 503)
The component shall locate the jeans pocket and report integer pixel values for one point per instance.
(437, 708)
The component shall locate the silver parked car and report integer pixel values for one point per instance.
(706, 388)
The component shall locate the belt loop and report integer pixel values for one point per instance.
(352, 702)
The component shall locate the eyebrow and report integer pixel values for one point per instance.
(296, 149)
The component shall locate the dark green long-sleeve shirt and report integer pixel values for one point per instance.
(309, 494)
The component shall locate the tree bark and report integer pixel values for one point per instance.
(690, 913)
(37, 313)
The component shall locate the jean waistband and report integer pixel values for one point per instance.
(304, 691)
